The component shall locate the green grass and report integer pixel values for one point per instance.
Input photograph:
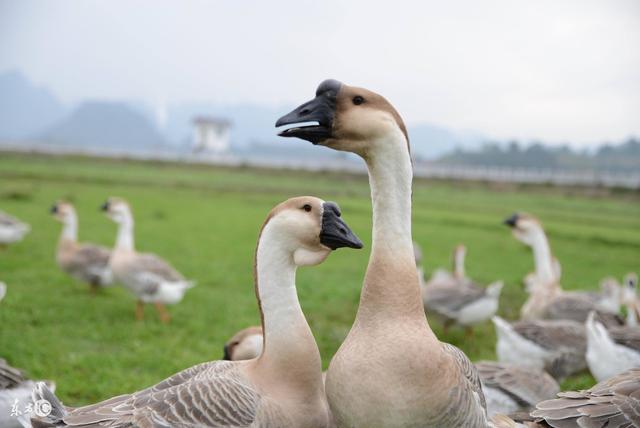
(205, 220)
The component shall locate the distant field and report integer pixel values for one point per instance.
(205, 220)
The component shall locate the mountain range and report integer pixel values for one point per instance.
(29, 113)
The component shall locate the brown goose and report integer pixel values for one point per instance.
(244, 345)
(278, 389)
(391, 370)
(86, 262)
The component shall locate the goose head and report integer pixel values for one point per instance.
(63, 211)
(525, 228)
(309, 229)
(117, 209)
(630, 289)
(244, 345)
(346, 118)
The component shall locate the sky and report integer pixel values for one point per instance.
(553, 70)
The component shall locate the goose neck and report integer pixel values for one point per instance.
(542, 258)
(70, 229)
(124, 239)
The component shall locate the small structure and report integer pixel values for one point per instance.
(211, 134)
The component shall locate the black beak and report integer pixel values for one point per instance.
(512, 221)
(105, 206)
(226, 355)
(54, 209)
(335, 233)
(321, 109)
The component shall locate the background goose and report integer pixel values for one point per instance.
(613, 403)
(278, 389)
(557, 346)
(611, 352)
(391, 370)
(86, 262)
(147, 276)
(244, 345)
(11, 229)
(510, 388)
(631, 300)
(14, 385)
(3, 290)
(443, 278)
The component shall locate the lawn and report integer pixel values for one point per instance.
(205, 221)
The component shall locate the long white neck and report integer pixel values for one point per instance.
(542, 257)
(289, 346)
(124, 239)
(458, 263)
(70, 228)
(391, 284)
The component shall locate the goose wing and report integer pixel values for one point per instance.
(526, 385)
(553, 334)
(612, 403)
(149, 271)
(470, 374)
(209, 394)
(91, 260)
(627, 336)
(10, 221)
(449, 300)
(575, 307)
(9, 376)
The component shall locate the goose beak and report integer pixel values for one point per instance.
(321, 110)
(54, 209)
(335, 233)
(226, 355)
(512, 221)
(105, 206)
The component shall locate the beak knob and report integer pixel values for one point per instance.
(105, 206)
(512, 221)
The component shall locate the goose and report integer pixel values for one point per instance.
(510, 388)
(613, 403)
(11, 229)
(547, 299)
(147, 276)
(281, 388)
(557, 346)
(3, 290)
(391, 370)
(85, 262)
(15, 394)
(465, 305)
(630, 299)
(244, 345)
(611, 352)
(442, 277)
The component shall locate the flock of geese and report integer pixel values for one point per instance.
(391, 370)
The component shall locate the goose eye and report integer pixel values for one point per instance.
(357, 100)
(307, 207)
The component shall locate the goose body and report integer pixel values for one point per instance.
(510, 388)
(150, 278)
(391, 370)
(612, 403)
(278, 389)
(15, 389)
(610, 353)
(556, 346)
(86, 262)
(11, 229)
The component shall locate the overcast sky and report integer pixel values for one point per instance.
(557, 70)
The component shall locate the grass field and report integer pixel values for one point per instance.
(205, 221)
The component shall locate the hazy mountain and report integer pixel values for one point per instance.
(106, 124)
(431, 142)
(25, 109)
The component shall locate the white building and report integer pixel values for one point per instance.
(211, 134)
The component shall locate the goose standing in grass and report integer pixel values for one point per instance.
(244, 345)
(11, 229)
(281, 388)
(391, 370)
(511, 388)
(444, 278)
(3, 290)
(547, 299)
(147, 276)
(613, 403)
(14, 385)
(86, 262)
(556, 346)
(611, 352)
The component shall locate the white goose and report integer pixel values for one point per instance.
(613, 403)
(444, 278)
(3, 290)
(281, 388)
(147, 276)
(391, 370)
(11, 229)
(510, 388)
(85, 262)
(547, 299)
(15, 390)
(557, 346)
(611, 352)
